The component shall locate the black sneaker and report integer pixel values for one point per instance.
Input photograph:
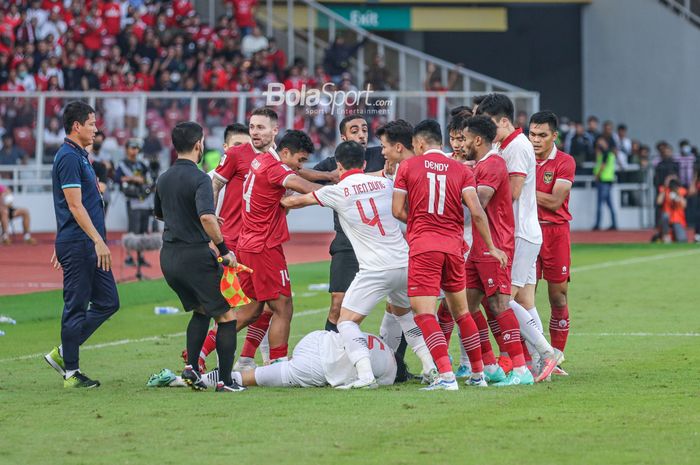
(235, 387)
(193, 379)
(144, 263)
(129, 261)
(79, 380)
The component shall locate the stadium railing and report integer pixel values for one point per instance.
(122, 115)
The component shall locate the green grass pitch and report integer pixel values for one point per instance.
(633, 396)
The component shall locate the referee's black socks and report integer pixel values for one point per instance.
(226, 350)
(196, 334)
(331, 326)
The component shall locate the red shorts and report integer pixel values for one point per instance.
(488, 276)
(554, 261)
(270, 276)
(428, 272)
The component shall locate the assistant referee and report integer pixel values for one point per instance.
(185, 202)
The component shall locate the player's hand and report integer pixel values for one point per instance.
(334, 177)
(104, 256)
(389, 168)
(499, 255)
(54, 261)
(229, 260)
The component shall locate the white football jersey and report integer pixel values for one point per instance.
(520, 159)
(363, 204)
(338, 368)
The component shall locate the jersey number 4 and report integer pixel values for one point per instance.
(374, 221)
(248, 191)
(439, 189)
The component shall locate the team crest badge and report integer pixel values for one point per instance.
(548, 177)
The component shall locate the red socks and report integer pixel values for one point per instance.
(278, 352)
(209, 343)
(470, 341)
(510, 330)
(255, 335)
(486, 350)
(447, 323)
(493, 324)
(435, 341)
(559, 327)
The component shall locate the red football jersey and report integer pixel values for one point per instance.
(491, 171)
(434, 183)
(233, 169)
(558, 167)
(264, 219)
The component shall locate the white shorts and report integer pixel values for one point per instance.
(305, 369)
(524, 270)
(371, 287)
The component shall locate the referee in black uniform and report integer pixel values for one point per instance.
(185, 202)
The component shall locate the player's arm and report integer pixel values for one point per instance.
(553, 201)
(299, 184)
(319, 176)
(517, 181)
(484, 193)
(77, 209)
(473, 202)
(398, 206)
(217, 183)
(299, 201)
(204, 202)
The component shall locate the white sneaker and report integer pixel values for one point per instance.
(360, 384)
(244, 364)
(430, 376)
(442, 384)
(476, 380)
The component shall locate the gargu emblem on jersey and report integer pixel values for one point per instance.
(548, 177)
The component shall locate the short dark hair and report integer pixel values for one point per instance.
(350, 155)
(235, 128)
(457, 123)
(482, 126)
(76, 111)
(622, 127)
(185, 135)
(344, 122)
(497, 106)
(399, 131)
(545, 117)
(461, 110)
(296, 141)
(592, 118)
(430, 130)
(265, 111)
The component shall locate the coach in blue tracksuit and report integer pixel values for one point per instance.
(89, 291)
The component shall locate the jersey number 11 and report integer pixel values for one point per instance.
(432, 188)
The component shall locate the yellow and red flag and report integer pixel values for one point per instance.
(231, 286)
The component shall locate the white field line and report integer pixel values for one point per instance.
(633, 261)
(596, 266)
(122, 342)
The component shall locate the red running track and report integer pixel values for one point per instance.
(25, 268)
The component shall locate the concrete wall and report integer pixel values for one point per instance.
(641, 66)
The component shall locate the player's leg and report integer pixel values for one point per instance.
(226, 349)
(447, 323)
(282, 310)
(510, 328)
(414, 337)
(256, 333)
(390, 329)
(425, 273)
(559, 322)
(365, 291)
(26, 229)
(469, 335)
(344, 267)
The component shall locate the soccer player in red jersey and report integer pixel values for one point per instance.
(264, 230)
(484, 275)
(435, 186)
(555, 176)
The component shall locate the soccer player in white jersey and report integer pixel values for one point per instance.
(318, 360)
(363, 203)
(516, 149)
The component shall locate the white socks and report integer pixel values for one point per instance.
(528, 328)
(390, 331)
(356, 347)
(414, 338)
(265, 349)
(536, 316)
(70, 373)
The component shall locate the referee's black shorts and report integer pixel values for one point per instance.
(194, 274)
(344, 267)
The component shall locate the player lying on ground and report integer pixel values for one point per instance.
(363, 205)
(318, 360)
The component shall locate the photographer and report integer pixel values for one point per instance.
(136, 182)
(672, 200)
